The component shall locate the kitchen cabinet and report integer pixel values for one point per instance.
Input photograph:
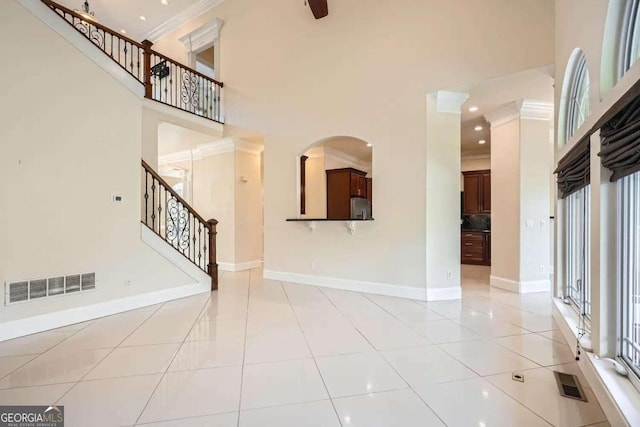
(342, 185)
(475, 247)
(477, 192)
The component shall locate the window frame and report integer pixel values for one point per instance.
(578, 207)
(629, 220)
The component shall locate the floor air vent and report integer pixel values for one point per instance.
(569, 386)
(26, 290)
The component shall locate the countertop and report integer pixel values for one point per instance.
(467, 230)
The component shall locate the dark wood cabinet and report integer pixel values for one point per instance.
(477, 192)
(342, 185)
(475, 248)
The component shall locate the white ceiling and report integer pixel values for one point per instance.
(125, 14)
(488, 96)
(352, 146)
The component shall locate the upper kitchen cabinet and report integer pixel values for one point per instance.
(477, 192)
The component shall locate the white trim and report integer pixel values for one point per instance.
(240, 266)
(504, 114)
(180, 19)
(619, 399)
(520, 287)
(58, 319)
(348, 284)
(536, 110)
(202, 36)
(84, 45)
(444, 294)
(450, 102)
(347, 158)
(221, 146)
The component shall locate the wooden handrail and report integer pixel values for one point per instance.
(172, 191)
(191, 70)
(94, 23)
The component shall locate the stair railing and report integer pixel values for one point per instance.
(166, 213)
(165, 80)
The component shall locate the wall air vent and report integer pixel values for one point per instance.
(27, 290)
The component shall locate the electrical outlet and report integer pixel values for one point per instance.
(542, 269)
(449, 275)
(313, 265)
(529, 223)
(127, 283)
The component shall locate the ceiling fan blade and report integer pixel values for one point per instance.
(319, 8)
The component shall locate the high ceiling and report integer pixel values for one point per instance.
(352, 146)
(125, 14)
(173, 139)
(490, 95)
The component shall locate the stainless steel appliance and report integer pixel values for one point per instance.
(360, 208)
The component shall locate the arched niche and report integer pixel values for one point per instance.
(335, 179)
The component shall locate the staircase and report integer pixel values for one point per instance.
(166, 81)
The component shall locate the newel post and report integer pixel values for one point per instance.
(146, 44)
(212, 268)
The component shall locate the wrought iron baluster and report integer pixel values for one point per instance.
(146, 197)
(153, 203)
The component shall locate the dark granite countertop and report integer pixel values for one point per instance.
(467, 230)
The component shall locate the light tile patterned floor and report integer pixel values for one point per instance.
(265, 353)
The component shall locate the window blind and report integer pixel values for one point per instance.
(573, 169)
(620, 141)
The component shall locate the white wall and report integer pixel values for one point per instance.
(370, 84)
(505, 200)
(71, 138)
(248, 208)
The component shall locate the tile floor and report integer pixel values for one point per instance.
(264, 353)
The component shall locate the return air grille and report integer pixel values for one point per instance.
(569, 386)
(26, 290)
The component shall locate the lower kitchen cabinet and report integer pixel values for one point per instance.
(475, 247)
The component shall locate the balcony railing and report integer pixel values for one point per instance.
(165, 80)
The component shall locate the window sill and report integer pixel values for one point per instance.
(619, 399)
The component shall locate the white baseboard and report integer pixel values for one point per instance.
(522, 287)
(348, 285)
(58, 319)
(240, 266)
(444, 294)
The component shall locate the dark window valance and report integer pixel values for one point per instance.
(573, 169)
(620, 141)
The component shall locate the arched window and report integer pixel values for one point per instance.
(621, 44)
(575, 96)
(630, 37)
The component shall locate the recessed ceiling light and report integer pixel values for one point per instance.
(123, 31)
(142, 18)
(482, 141)
(477, 128)
(473, 109)
(164, 2)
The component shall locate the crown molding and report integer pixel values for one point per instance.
(180, 19)
(523, 109)
(248, 147)
(315, 152)
(202, 36)
(504, 114)
(344, 157)
(214, 148)
(536, 110)
(450, 102)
